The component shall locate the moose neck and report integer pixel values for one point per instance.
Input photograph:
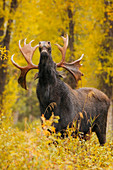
(47, 70)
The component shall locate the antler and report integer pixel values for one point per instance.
(27, 52)
(73, 67)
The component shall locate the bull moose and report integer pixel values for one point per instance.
(92, 103)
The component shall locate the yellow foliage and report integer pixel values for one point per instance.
(81, 115)
(35, 148)
(48, 20)
(3, 51)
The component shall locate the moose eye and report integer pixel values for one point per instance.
(48, 44)
(40, 45)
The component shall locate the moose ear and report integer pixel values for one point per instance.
(61, 74)
(36, 76)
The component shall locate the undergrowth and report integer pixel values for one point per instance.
(35, 148)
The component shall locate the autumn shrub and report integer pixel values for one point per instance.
(36, 148)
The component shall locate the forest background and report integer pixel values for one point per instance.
(89, 25)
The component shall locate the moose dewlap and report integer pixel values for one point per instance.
(87, 106)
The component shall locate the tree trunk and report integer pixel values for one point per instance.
(71, 33)
(4, 43)
(2, 77)
(109, 40)
(107, 45)
(70, 79)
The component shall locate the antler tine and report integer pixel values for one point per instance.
(19, 45)
(65, 40)
(77, 61)
(63, 49)
(25, 41)
(80, 57)
(22, 47)
(30, 42)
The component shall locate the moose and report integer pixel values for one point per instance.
(70, 103)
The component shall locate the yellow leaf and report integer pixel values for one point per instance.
(81, 115)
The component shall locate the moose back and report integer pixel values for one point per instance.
(70, 103)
